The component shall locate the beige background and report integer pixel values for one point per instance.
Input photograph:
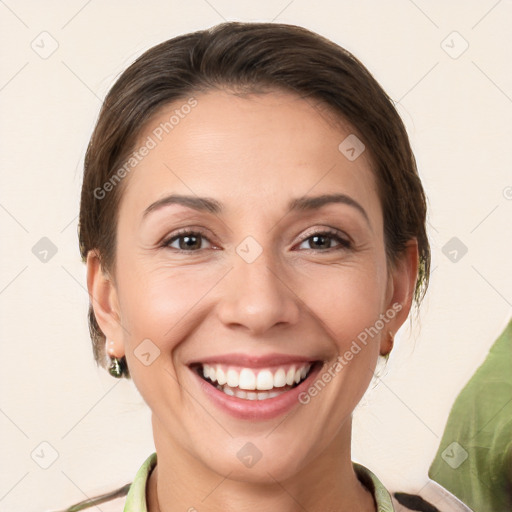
(458, 110)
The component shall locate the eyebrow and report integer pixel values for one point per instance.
(207, 204)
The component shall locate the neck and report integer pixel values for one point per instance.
(180, 482)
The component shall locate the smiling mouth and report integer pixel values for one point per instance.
(255, 384)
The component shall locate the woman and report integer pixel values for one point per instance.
(253, 226)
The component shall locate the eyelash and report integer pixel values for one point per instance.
(344, 244)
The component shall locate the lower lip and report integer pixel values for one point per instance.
(256, 409)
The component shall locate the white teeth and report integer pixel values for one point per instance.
(290, 376)
(221, 376)
(265, 380)
(228, 391)
(279, 378)
(232, 378)
(240, 394)
(248, 379)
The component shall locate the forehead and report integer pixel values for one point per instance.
(251, 149)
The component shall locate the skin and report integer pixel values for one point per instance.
(253, 154)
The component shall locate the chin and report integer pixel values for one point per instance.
(257, 461)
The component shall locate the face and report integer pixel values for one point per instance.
(227, 268)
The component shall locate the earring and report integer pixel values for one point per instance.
(118, 367)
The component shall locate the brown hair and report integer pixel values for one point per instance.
(247, 58)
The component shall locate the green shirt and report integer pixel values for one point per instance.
(474, 460)
(136, 498)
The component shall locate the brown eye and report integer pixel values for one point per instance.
(322, 241)
(188, 241)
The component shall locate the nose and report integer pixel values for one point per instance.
(257, 297)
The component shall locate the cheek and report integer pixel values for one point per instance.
(156, 310)
(346, 300)
(159, 302)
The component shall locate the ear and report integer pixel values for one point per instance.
(400, 292)
(104, 301)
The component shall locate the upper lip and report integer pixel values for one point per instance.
(253, 361)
